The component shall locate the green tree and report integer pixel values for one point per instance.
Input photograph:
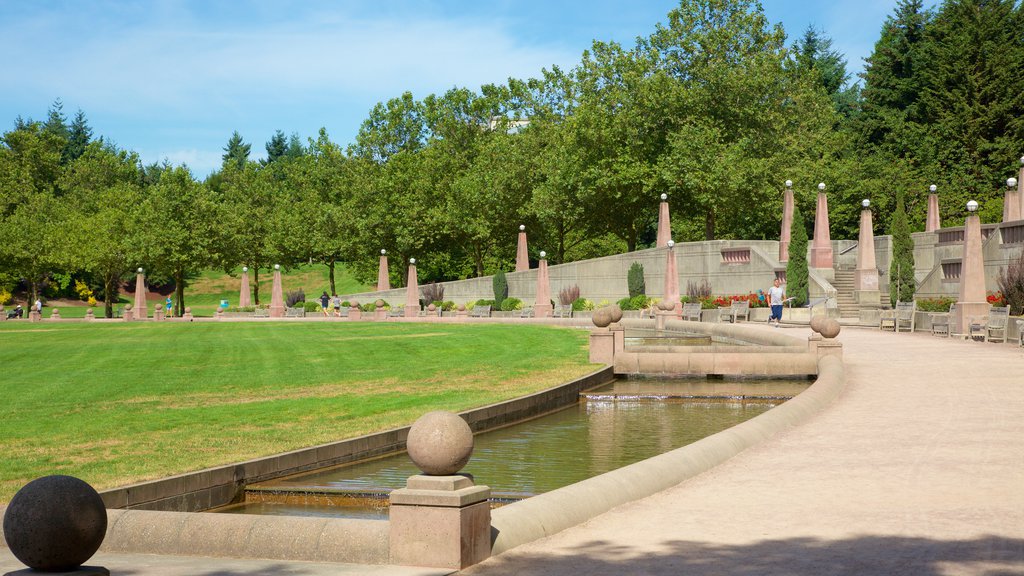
(500, 285)
(277, 147)
(901, 270)
(635, 280)
(79, 136)
(796, 268)
(813, 54)
(236, 152)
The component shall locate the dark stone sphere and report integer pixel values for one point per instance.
(55, 523)
(830, 328)
(616, 312)
(602, 317)
(440, 443)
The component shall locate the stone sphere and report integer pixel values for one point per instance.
(830, 328)
(56, 311)
(431, 307)
(157, 306)
(816, 323)
(55, 523)
(127, 306)
(379, 303)
(602, 317)
(440, 443)
(616, 312)
(353, 304)
(188, 309)
(462, 307)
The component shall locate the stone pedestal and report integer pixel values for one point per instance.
(244, 292)
(187, 316)
(462, 312)
(158, 312)
(543, 310)
(440, 521)
(126, 315)
(618, 337)
(542, 307)
(412, 293)
(354, 313)
(659, 319)
(932, 223)
(602, 346)
(380, 314)
(825, 346)
(55, 315)
(90, 315)
(218, 314)
(383, 276)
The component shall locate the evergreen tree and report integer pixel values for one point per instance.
(500, 285)
(796, 268)
(295, 147)
(236, 153)
(277, 147)
(813, 54)
(56, 123)
(635, 280)
(79, 136)
(901, 270)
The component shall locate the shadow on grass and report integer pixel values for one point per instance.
(990, 555)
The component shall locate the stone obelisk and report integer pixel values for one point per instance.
(244, 297)
(522, 256)
(277, 295)
(383, 276)
(542, 306)
(933, 222)
(821, 249)
(787, 222)
(140, 295)
(412, 292)
(866, 276)
(971, 302)
(664, 223)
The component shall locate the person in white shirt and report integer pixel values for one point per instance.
(776, 296)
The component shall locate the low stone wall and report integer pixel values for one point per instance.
(213, 487)
(552, 512)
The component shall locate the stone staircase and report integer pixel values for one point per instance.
(844, 284)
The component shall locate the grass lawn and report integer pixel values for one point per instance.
(123, 402)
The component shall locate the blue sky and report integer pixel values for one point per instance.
(173, 78)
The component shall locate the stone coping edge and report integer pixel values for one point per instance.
(546, 514)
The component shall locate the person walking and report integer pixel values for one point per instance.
(336, 302)
(776, 296)
(325, 302)
(169, 304)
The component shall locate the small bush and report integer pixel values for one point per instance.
(940, 304)
(1011, 284)
(312, 306)
(582, 304)
(635, 280)
(346, 304)
(695, 291)
(445, 305)
(83, 291)
(5, 296)
(293, 298)
(368, 307)
(568, 295)
(500, 288)
(240, 309)
(482, 302)
(638, 302)
(511, 304)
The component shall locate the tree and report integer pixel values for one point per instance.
(635, 280)
(277, 147)
(79, 136)
(796, 268)
(250, 198)
(901, 270)
(813, 54)
(236, 152)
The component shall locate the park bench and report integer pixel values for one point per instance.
(480, 311)
(901, 316)
(942, 322)
(396, 312)
(562, 311)
(734, 311)
(526, 312)
(297, 312)
(691, 311)
(991, 328)
(261, 313)
(1020, 333)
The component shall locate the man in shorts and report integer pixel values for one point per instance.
(776, 296)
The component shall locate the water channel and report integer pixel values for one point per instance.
(612, 426)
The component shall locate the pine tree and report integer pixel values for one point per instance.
(79, 136)
(796, 268)
(500, 285)
(236, 153)
(277, 147)
(635, 280)
(901, 270)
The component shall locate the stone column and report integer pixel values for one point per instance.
(354, 312)
(821, 250)
(187, 316)
(866, 277)
(140, 296)
(672, 280)
(412, 292)
(664, 223)
(787, 222)
(383, 275)
(379, 313)
(244, 293)
(158, 312)
(542, 307)
(89, 315)
(933, 222)
(127, 314)
(971, 302)
(277, 295)
(461, 312)
(1011, 202)
(522, 256)
(55, 315)
(441, 518)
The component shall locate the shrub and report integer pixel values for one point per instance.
(568, 295)
(482, 302)
(901, 270)
(5, 296)
(312, 306)
(83, 291)
(940, 304)
(635, 280)
(582, 304)
(368, 307)
(796, 268)
(696, 291)
(996, 299)
(445, 306)
(92, 302)
(293, 298)
(346, 304)
(1011, 284)
(500, 285)
(432, 292)
(511, 304)
(240, 309)
(637, 302)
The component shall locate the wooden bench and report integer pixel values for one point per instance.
(992, 328)
(691, 311)
(735, 310)
(942, 322)
(261, 313)
(396, 312)
(905, 316)
(562, 311)
(296, 312)
(1020, 333)
(480, 311)
(526, 312)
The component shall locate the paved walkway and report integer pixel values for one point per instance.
(916, 469)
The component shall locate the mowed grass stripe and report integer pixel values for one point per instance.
(119, 403)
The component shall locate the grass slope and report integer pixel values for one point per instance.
(119, 403)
